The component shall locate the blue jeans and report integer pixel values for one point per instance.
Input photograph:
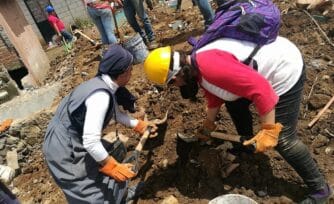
(67, 35)
(133, 7)
(103, 20)
(206, 10)
(292, 149)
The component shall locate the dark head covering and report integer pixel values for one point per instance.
(115, 61)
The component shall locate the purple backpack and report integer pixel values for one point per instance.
(256, 21)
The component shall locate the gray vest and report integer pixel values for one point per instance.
(72, 109)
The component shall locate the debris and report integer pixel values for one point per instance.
(5, 125)
(262, 193)
(323, 6)
(321, 30)
(321, 112)
(75, 30)
(177, 25)
(186, 138)
(329, 151)
(170, 200)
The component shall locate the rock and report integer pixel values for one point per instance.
(2, 143)
(318, 101)
(3, 152)
(170, 200)
(28, 82)
(12, 140)
(20, 146)
(262, 193)
(31, 134)
(325, 77)
(320, 141)
(12, 160)
(16, 191)
(164, 163)
(329, 151)
(227, 187)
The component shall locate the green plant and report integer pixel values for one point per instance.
(83, 23)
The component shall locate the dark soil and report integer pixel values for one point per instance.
(192, 172)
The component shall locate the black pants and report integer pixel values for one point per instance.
(292, 149)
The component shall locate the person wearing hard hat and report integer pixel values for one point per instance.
(58, 25)
(275, 89)
(86, 167)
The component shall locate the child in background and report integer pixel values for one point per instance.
(58, 25)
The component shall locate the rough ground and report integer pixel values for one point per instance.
(191, 173)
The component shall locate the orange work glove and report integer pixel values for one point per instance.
(266, 138)
(143, 125)
(120, 172)
(203, 133)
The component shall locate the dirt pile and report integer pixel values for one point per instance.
(192, 172)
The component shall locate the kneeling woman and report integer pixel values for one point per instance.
(87, 169)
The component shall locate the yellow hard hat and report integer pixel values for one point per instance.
(157, 63)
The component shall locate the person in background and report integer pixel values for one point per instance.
(274, 86)
(133, 7)
(86, 167)
(101, 14)
(58, 25)
(205, 9)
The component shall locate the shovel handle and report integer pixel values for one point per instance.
(227, 137)
(116, 26)
(143, 139)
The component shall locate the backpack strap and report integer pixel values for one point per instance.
(246, 61)
(252, 54)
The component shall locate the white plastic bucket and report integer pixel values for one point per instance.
(232, 199)
(136, 46)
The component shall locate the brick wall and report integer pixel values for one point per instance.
(8, 54)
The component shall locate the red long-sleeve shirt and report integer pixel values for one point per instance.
(224, 77)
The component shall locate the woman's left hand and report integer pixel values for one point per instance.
(266, 138)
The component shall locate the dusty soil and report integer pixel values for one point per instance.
(191, 172)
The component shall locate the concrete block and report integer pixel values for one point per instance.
(12, 160)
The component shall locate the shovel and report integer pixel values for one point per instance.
(76, 30)
(218, 135)
(134, 157)
(119, 35)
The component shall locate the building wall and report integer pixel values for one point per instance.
(8, 54)
(69, 10)
(24, 39)
(30, 19)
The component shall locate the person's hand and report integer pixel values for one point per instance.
(142, 126)
(266, 138)
(203, 133)
(120, 172)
